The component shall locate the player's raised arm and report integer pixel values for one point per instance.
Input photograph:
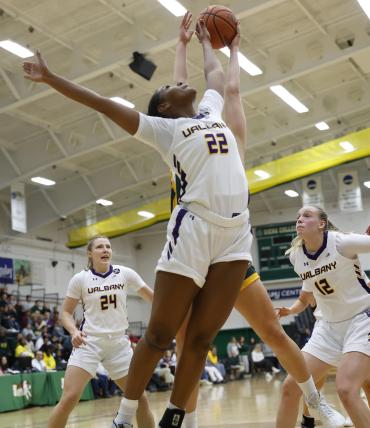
(180, 72)
(213, 70)
(124, 117)
(233, 108)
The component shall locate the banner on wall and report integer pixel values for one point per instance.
(284, 293)
(22, 272)
(312, 192)
(6, 271)
(349, 192)
(18, 208)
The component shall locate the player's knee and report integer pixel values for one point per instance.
(69, 400)
(158, 338)
(199, 342)
(273, 335)
(347, 390)
(290, 389)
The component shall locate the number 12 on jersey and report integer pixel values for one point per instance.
(216, 143)
(324, 287)
(105, 301)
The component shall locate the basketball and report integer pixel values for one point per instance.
(221, 24)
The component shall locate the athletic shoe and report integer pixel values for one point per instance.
(321, 409)
(172, 418)
(268, 377)
(348, 422)
(275, 370)
(124, 425)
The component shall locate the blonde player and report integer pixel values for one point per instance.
(208, 236)
(327, 262)
(253, 301)
(102, 291)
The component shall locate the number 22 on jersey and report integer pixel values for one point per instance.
(216, 143)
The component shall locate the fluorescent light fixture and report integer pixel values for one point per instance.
(365, 6)
(174, 7)
(262, 174)
(15, 48)
(146, 214)
(289, 98)
(367, 184)
(244, 62)
(104, 202)
(291, 193)
(122, 101)
(347, 146)
(42, 180)
(322, 126)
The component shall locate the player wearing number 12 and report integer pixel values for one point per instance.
(102, 290)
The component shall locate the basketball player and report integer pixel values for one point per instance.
(327, 261)
(253, 301)
(208, 236)
(102, 290)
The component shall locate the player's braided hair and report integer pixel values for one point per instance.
(154, 102)
(90, 245)
(323, 215)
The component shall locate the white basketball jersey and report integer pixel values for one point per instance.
(337, 282)
(202, 152)
(103, 298)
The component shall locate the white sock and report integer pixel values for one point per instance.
(191, 420)
(309, 390)
(126, 411)
(172, 406)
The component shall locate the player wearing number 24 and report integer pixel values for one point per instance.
(102, 290)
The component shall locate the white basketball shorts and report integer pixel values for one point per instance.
(330, 340)
(194, 242)
(113, 351)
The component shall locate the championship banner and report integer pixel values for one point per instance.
(312, 192)
(22, 272)
(6, 271)
(349, 192)
(18, 208)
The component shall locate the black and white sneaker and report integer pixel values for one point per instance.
(172, 418)
(123, 425)
(328, 415)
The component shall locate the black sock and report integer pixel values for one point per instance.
(172, 418)
(308, 422)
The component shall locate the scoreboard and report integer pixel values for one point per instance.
(273, 240)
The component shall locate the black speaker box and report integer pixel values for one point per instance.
(142, 66)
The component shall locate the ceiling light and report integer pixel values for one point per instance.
(367, 184)
(291, 193)
(289, 98)
(146, 214)
(122, 101)
(322, 126)
(42, 180)
(104, 202)
(173, 6)
(16, 49)
(262, 174)
(365, 6)
(347, 146)
(244, 63)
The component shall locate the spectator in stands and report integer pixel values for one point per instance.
(38, 364)
(4, 368)
(49, 359)
(39, 321)
(25, 318)
(4, 299)
(5, 346)
(165, 373)
(100, 383)
(212, 360)
(28, 331)
(260, 362)
(244, 353)
(49, 321)
(30, 344)
(27, 305)
(22, 355)
(270, 356)
(13, 325)
(45, 343)
(233, 360)
(59, 329)
(168, 360)
(232, 348)
(132, 337)
(38, 306)
(61, 361)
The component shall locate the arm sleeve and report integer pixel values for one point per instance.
(157, 132)
(211, 104)
(307, 287)
(74, 288)
(134, 280)
(351, 244)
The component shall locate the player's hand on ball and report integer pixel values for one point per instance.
(78, 339)
(185, 34)
(236, 40)
(201, 31)
(36, 71)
